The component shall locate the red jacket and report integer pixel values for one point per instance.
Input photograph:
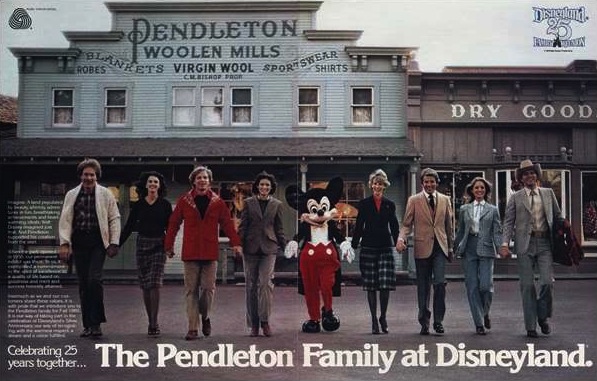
(200, 235)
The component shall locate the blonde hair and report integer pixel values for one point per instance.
(378, 176)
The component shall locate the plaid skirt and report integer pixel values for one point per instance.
(151, 259)
(377, 268)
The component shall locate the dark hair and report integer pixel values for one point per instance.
(429, 172)
(141, 184)
(90, 163)
(261, 176)
(469, 188)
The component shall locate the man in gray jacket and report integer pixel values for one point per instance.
(528, 220)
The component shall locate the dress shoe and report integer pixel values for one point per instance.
(374, 326)
(438, 327)
(532, 333)
(192, 335)
(424, 330)
(153, 331)
(267, 331)
(86, 332)
(481, 330)
(206, 327)
(96, 331)
(487, 321)
(383, 323)
(545, 328)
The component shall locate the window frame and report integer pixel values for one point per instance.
(106, 107)
(316, 105)
(233, 106)
(354, 105)
(192, 106)
(53, 106)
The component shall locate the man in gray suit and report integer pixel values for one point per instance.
(528, 220)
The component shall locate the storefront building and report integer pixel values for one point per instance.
(483, 121)
(235, 86)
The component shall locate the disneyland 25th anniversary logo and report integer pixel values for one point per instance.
(561, 28)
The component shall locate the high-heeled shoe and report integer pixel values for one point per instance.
(383, 324)
(374, 327)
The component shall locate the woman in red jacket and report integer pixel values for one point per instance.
(203, 213)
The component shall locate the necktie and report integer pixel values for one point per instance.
(533, 193)
(432, 203)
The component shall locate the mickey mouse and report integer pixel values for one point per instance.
(319, 259)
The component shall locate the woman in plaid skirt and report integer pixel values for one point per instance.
(149, 217)
(376, 231)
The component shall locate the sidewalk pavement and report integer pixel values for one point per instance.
(351, 353)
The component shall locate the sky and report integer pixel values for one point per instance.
(446, 32)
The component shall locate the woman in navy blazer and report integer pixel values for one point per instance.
(376, 230)
(478, 238)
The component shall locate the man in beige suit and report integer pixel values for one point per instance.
(429, 214)
(530, 214)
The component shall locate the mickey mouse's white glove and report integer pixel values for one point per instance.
(347, 251)
(291, 249)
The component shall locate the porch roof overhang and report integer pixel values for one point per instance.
(204, 150)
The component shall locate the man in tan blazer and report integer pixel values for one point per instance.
(429, 214)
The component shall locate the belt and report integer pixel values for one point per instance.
(539, 234)
(474, 234)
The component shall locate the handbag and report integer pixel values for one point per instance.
(565, 247)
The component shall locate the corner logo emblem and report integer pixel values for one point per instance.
(20, 19)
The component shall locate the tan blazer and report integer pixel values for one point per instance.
(418, 219)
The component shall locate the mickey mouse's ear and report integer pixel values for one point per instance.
(294, 196)
(334, 189)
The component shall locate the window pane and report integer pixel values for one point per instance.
(63, 97)
(308, 114)
(63, 116)
(115, 97)
(241, 96)
(184, 96)
(362, 115)
(589, 207)
(211, 116)
(362, 96)
(308, 97)
(116, 116)
(183, 116)
(212, 96)
(241, 115)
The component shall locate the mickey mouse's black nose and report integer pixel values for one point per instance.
(320, 213)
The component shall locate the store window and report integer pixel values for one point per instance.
(234, 195)
(558, 180)
(115, 107)
(353, 192)
(589, 207)
(453, 184)
(308, 106)
(63, 107)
